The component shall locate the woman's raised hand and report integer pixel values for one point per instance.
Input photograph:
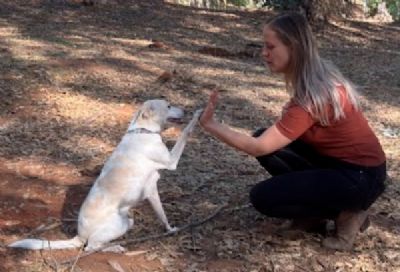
(207, 117)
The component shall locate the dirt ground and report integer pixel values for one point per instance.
(71, 77)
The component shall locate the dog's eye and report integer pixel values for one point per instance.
(169, 106)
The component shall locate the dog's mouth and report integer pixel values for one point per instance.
(175, 120)
(175, 115)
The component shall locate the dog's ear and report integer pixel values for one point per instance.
(148, 112)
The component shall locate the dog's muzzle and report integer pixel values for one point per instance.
(175, 114)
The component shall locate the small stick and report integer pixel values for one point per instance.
(52, 257)
(40, 229)
(53, 267)
(77, 258)
(241, 207)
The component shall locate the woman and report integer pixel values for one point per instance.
(325, 161)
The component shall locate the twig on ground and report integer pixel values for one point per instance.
(196, 188)
(241, 207)
(77, 258)
(116, 266)
(193, 239)
(54, 266)
(301, 268)
(69, 219)
(41, 228)
(52, 257)
(166, 248)
(272, 265)
(137, 252)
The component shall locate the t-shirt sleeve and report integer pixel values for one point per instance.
(294, 121)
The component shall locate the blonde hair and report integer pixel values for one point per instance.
(311, 81)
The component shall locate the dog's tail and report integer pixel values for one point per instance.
(46, 244)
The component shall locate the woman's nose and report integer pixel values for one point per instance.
(264, 52)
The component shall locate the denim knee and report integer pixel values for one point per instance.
(259, 199)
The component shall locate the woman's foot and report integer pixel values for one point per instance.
(348, 224)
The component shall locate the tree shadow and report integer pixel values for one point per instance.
(23, 213)
(74, 198)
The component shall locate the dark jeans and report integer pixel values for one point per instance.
(307, 184)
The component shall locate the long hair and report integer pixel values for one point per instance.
(311, 81)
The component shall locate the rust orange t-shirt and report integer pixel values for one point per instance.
(350, 139)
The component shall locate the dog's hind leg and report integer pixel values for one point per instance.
(131, 223)
(124, 212)
(114, 227)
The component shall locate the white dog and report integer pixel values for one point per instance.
(129, 176)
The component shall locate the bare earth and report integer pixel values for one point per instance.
(71, 78)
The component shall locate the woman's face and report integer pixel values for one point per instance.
(275, 53)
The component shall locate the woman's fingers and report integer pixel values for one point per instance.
(212, 101)
(214, 98)
(208, 112)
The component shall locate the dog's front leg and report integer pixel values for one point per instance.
(177, 150)
(155, 202)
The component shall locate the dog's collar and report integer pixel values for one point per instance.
(142, 131)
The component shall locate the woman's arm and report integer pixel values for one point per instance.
(271, 140)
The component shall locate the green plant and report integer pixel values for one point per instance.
(373, 6)
(320, 10)
(393, 7)
(239, 3)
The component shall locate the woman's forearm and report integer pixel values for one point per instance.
(240, 141)
(270, 141)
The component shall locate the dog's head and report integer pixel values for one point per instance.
(154, 114)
